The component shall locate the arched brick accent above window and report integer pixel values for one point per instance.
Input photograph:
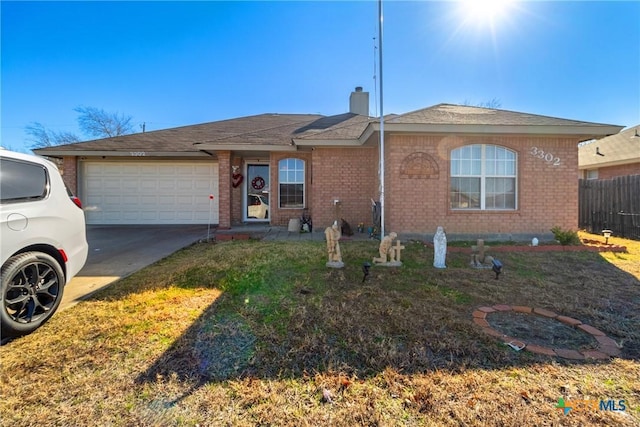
(419, 166)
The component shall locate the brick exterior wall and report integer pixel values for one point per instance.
(69, 172)
(224, 189)
(416, 185)
(547, 193)
(346, 174)
(619, 170)
(418, 202)
(236, 193)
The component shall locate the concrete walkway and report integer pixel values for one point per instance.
(116, 252)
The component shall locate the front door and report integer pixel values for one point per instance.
(257, 192)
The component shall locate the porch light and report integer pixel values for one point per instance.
(606, 234)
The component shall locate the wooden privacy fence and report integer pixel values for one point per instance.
(612, 204)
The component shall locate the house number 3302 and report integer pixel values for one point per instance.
(546, 156)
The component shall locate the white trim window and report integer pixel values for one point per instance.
(483, 177)
(291, 183)
(592, 174)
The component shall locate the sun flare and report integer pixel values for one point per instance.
(485, 11)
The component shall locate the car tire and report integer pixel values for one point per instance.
(32, 287)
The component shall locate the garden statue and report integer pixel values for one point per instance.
(306, 226)
(345, 227)
(479, 259)
(388, 250)
(333, 235)
(440, 248)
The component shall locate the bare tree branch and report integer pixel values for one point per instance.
(492, 103)
(97, 123)
(42, 137)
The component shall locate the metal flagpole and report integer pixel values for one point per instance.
(381, 172)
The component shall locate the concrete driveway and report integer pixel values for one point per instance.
(118, 251)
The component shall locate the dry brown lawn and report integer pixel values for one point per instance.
(256, 333)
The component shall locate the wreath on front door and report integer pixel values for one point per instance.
(257, 183)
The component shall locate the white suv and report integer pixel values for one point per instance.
(42, 238)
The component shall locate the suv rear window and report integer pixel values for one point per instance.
(21, 181)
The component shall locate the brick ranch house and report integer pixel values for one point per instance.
(612, 156)
(475, 171)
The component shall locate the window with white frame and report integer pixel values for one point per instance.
(592, 174)
(291, 183)
(483, 177)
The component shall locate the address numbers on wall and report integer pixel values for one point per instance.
(546, 156)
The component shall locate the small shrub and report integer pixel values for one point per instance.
(566, 237)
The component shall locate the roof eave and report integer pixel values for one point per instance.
(328, 142)
(132, 153)
(586, 131)
(243, 147)
(595, 165)
(361, 140)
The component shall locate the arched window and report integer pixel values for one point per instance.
(483, 177)
(291, 183)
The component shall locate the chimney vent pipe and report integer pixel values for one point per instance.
(359, 102)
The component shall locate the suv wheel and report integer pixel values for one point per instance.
(32, 286)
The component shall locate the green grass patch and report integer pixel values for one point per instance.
(256, 333)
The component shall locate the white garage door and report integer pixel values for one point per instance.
(152, 192)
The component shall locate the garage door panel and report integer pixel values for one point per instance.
(184, 216)
(111, 184)
(147, 216)
(92, 168)
(129, 200)
(131, 184)
(111, 217)
(127, 215)
(112, 200)
(172, 170)
(199, 169)
(167, 184)
(185, 200)
(201, 186)
(146, 200)
(148, 184)
(149, 170)
(201, 217)
(149, 192)
(91, 200)
(185, 184)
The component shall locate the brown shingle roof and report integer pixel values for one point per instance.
(341, 126)
(621, 148)
(274, 131)
(263, 129)
(449, 114)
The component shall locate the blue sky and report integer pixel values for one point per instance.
(170, 64)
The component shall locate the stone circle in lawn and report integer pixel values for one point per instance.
(542, 331)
